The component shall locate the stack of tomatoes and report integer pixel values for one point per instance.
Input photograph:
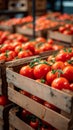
(56, 71)
(15, 46)
(66, 29)
(16, 21)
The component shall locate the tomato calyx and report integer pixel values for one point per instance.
(70, 61)
(37, 62)
(59, 72)
(43, 80)
(69, 50)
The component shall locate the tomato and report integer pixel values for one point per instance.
(2, 56)
(68, 73)
(34, 123)
(46, 47)
(3, 100)
(63, 56)
(10, 55)
(28, 46)
(60, 83)
(16, 43)
(50, 77)
(3, 47)
(67, 32)
(41, 70)
(26, 71)
(67, 26)
(24, 53)
(58, 65)
(51, 58)
(57, 47)
(40, 39)
(62, 29)
(50, 41)
(18, 49)
(71, 86)
(22, 39)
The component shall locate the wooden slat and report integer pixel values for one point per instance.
(48, 115)
(53, 96)
(59, 36)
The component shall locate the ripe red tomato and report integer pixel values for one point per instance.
(28, 46)
(50, 41)
(10, 55)
(26, 71)
(57, 47)
(58, 65)
(60, 83)
(63, 56)
(18, 49)
(68, 73)
(3, 47)
(41, 70)
(62, 29)
(40, 39)
(3, 100)
(67, 32)
(24, 53)
(50, 77)
(34, 123)
(2, 56)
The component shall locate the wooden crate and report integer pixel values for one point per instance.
(16, 123)
(29, 32)
(61, 37)
(60, 99)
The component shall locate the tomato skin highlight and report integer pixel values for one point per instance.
(60, 83)
(41, 70)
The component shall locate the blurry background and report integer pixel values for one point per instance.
(60, 5)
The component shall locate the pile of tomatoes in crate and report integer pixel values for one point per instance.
(16, 21)
(66, 29)
(15, 46)
(56, 71)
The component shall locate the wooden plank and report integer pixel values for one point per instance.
(45, 92)
(48, 115)
(60, 36)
